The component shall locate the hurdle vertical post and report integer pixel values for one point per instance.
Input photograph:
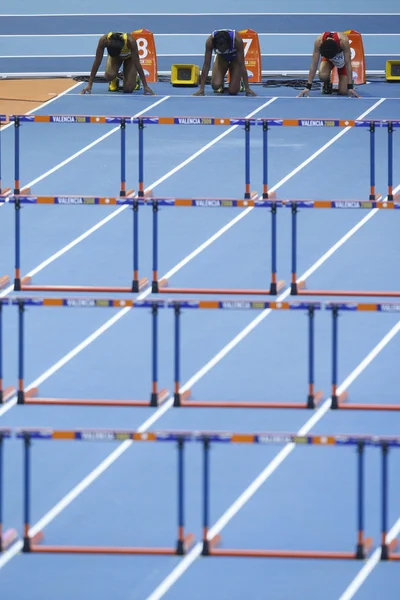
(293, 285)
(372, 194)
(16, 155)
(311, 337)
(180, 548)
(122, 126)
(154, 352)
(177, 335)
(247, 193)
(273, 289)
(390, 161)
(384, 545)
(21, 392)
(334, 396)
(27, 472)
(265, 159)
(154, 284)
(135, 210)
(206, 494)
(17, 277)
(360, 551)
(141, 157)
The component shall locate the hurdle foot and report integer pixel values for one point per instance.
(181, 398)
(296, 287)
(209, 545)
(8, 538)
(158, 398)
(269, 196)
(376, 196)
(4, 281)
(6, 394)
(362, 550)
(159, 285)
(314, 399)
(20, 283)
(5, 192)
(184, 545)
(336, 400)
(144, 282)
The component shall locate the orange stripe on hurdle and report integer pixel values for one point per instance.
(63, 435)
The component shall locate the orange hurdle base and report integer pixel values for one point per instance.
(24, 286)
(210, 549)
(181, 548)
(161, 287)
(6, 394)
(340, 403)
(183, 400)
(8, 538)
(156, 400)
(299, 290)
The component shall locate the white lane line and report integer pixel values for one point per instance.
(115, 213)
(249, 492)
(369, 566)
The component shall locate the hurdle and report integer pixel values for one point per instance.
(183, 399)
(298, 288)
(34, 544)
(8, 537)
(363, 544)
(157, 397)
(24, 283)
(77, 119)
(246, 123)
(161, 286)
(340, 401)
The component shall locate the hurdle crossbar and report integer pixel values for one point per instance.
(339, 401)
(9, 536)
(183, 398)
(298, 287)
(34, 544)
(24, 283)
(30, 396)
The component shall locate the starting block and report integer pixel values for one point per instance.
(357, 59)
(147, 53)
(252, 55)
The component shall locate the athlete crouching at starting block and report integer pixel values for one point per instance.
(229, 48)
(122, 50)
(335, 51)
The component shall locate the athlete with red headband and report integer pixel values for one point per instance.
(334, 48)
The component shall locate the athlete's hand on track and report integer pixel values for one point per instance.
(304, 92)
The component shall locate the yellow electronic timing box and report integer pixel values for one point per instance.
(393, 70)
(185, 75)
